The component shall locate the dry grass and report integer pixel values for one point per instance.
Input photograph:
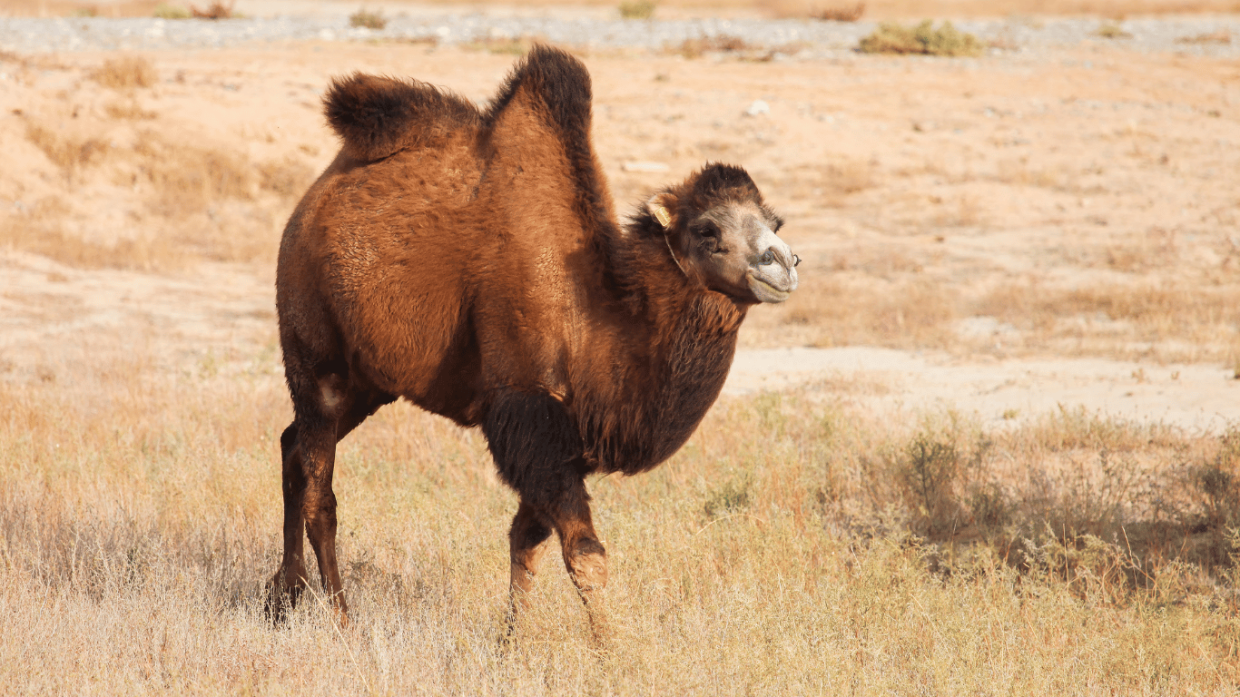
(203, 202)
(724, 43)
(637, 9)
(1138, 316)
(70, 153)
(39, 234)
(1112, 30)
(169, 11)
(789, 546)
(125, 73)
(840, 13)
(946, 40)
(1222, 36)
(216, 10)
(370, 19)
(845, 310)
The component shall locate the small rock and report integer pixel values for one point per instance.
(758, 108)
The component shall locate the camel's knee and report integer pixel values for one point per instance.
(319, 512)
(587, 564)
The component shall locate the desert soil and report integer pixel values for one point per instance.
(937, 187)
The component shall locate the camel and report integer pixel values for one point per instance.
(469, 260)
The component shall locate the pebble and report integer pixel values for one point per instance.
(805, 38)
(758, 108)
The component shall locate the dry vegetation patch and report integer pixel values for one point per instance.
(637, 9)
(840, 13)
(924, 38)
(370, 19)
(125, 73)
(788, 539)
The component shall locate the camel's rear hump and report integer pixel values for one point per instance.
(379, 116)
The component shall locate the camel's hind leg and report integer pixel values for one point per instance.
(286, 586)
(309, 450)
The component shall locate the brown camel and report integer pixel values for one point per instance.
(470, 261)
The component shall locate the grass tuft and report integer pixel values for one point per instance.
(840, 13)
(725, 43)
(125, 73)
(216, 10)
(166, 10)
(946, 40)
(1112, 30)
(370, 19)
(637, 9)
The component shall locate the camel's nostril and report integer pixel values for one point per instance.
(768, 257)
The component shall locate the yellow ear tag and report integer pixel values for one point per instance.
(661, 215)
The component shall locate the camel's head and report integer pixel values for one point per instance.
(720, 232)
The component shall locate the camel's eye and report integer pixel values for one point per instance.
(710, 235)
(708, 229)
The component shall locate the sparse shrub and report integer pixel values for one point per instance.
(125, 73)
(840, 13)
(1092, 568)
(368, 19)
(637, 9)
(929, 469)
(990, 507)
(1218, 483)
(166, 10)
(216, 10)
(1111, 30)
(694, 48)
(70, 154)
(891, 37)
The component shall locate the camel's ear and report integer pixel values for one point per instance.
(661, 207)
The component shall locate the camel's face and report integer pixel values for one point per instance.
(735, 247)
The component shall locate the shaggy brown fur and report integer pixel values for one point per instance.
(470, 262)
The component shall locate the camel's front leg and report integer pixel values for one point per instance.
(527, 544)
(584, 556)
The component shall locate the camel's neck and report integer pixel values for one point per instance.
(644, 421)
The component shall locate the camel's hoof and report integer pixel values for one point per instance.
(281, 599)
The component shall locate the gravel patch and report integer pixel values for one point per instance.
(805, 38)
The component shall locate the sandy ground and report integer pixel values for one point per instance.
(1061, 170)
